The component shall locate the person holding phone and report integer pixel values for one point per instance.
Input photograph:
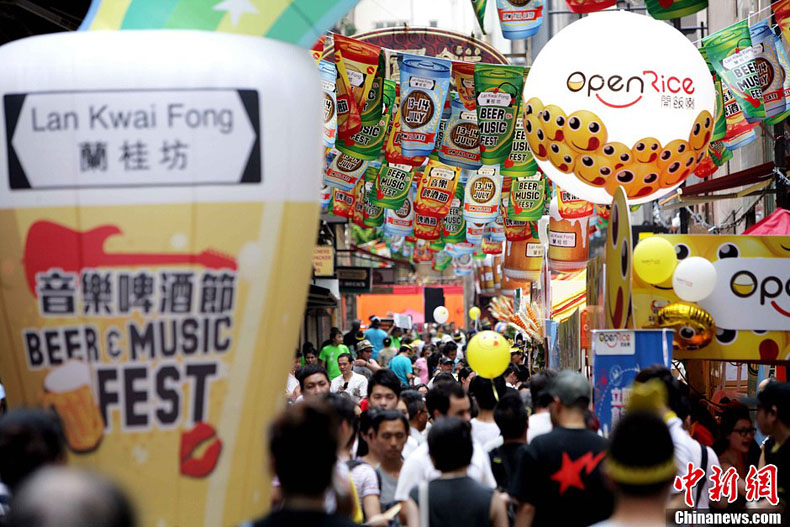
(353, 384)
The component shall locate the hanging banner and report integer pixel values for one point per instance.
(519, 19)
(663, 10)
(146, 223)
(498, 90)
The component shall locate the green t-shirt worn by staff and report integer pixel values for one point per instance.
(329, 355)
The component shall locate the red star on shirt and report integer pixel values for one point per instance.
(569, 474)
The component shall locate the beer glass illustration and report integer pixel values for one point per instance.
(68, 392)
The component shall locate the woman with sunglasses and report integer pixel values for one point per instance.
(736, 447)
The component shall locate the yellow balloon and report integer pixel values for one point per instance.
(488, 354)
(654, 260)
(474, 313)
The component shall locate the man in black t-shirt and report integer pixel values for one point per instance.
(559, 481)
(510, 415)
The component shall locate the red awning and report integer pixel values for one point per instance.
(776, 224)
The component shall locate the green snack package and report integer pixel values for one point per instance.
(392, 185)
(498, 92)
(373, 215)
(366, 144)
(520, 161)
(719, 153)
(731, 54)
(480, 12)
(527, 198)
(454, 224)
(666, 10)
(441, 260)
(720, 120)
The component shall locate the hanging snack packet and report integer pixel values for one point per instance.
(781, 9)
(720, 121)
(461, 142)
(770, 72)
(366, 144)
(520, 161)
(393, 148)
(482, 196)
(495, 230)
(427, 227)
(373, 214)
(344, 171)
(441, 260)
(480, 12)
(464, 77)
(474, 233)
(732, 56)
(357, 63)
(667, 10)
(739, 132)
(318, 49)
(718, 153)
(454, 224)
(570, 206)
(358, 212)
(342, 204)
(527, 198)
(498, 90)
(442, 127)
(372, 107)
(436, 189)
(392, 185)
(519, 18)
(328, 85)
(425, 83)
(400, 222)
(492, 247)
(782, 57)
(589, 6)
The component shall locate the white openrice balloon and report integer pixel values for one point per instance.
(619, 99)
(694, 279)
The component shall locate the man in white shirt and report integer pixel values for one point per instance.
(417, 414)
(446, 399)
(354, 384)
(687, 449)
(540, 420)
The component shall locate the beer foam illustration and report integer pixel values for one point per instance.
(70, 376)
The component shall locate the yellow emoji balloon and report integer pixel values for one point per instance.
(488, 354)
(585, 132)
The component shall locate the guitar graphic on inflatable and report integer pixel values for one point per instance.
(51, 245)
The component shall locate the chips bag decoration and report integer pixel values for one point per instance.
(781, 9)
(400, 222)
(460, 145)
(329, 106)
(666, 10)
(589, 6)
(373, 215)
(480, 12)
(425, 83)
(498, 94)
(344, 171)
(318, 49)
(570, 206)
(366, 143)
(782, 57)
(527, 198)
(474, 232)
(495, 231)
(492, 247)
(519, 18)
(393, 151)
(392, 185)
(732, 56)
(464, 78)
(373, 106)
(482, 196)
(770, 72)
(342, 203)
(358, 209)
(454, 224)
(427, 228)
(739, 131)
(436, 189)
(357, 63)
(720, 121)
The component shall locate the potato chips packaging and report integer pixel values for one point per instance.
(357, 63)
(464, 77)
(427, 228)
(731, 53)
(436, 189)
(367, 142)
(570, 206)
(342, 203)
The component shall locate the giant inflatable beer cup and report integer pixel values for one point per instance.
(568, 244)
(157, 189)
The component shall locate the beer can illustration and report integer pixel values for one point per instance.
(523, 259)
(425, 84)
(568, 243)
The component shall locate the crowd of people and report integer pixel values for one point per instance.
(425, 441)
(393, 428)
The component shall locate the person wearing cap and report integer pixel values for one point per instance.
(773, 419)
(641, 467)
(364, 364)
(558, 479)
(376, 335)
